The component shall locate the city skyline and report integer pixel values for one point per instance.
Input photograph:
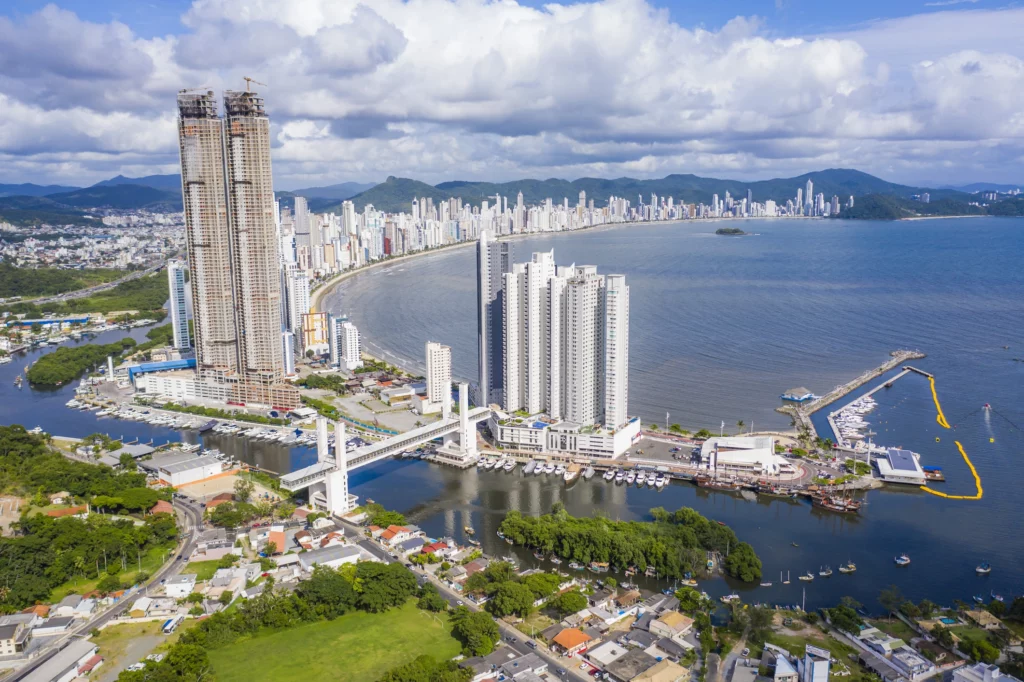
(920, 94)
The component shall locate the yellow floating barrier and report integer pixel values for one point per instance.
(941, 419)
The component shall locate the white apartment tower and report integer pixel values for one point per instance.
(439, 372)
(566, 343)
(493, 260)
(178, 306)
(297, 298)
(344, 341)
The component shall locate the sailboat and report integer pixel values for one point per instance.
(786, 581)
(848, 567)
(825, 572)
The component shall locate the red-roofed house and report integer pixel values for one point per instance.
(438, 548)
(90, 665)
(395, 535)
(41, 610)
(279, 539)
(162, 507)
(375, 531)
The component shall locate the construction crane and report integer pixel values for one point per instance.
(250, 81)
(201, 87)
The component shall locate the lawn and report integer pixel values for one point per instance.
(204, 570)
(796, 644)
(136, 638)
(896, 628)
(358, 647)
(969, 633)
(151, 562)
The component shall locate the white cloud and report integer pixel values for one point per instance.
(443, 89)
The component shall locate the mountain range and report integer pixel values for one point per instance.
(28, 203)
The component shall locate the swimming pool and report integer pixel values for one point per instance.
(947, 621)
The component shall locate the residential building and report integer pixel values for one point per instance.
(180, 586)
(65, 665)
(982, 672)
(315, 333)
(493, 261)
(626, 668)
(14, 637)
(233, 248)
(178, 306)
(332, 556)
(439, 374)
(814, 666)
(671, 624)
(570, 641)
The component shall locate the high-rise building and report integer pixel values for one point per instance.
(204, 196)
(345, 350)
(288, 348)
(439, 372)
(493, 260)
(616, 352)
(297, 298)
(809, 197)
(254, 237)
(233, 245)
(178, 306)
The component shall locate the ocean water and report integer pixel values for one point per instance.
(719, 328)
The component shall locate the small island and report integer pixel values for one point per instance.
(730, 231)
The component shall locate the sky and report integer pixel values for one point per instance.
(927, 93)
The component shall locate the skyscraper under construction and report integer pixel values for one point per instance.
(228, 196)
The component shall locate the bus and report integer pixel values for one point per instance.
(172, 624)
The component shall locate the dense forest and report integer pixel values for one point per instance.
(674, 543)
(67, 363)
(145, 294)
(48, 552)
(49, 281)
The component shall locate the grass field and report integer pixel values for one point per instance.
(358, 647)
(896, 628)
(151, 562)
(204, 570)
(796, 644)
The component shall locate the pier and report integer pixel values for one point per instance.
(801, 414)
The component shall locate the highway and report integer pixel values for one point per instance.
(190, 522)
(83, 293)
(565, 669)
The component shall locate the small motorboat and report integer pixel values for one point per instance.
(766, 584)
(609, 475)
(825, 572)
(575, 566)
(555, 560)
(468, 530)
(984, 568)
(848, 567)
(996, 597)
(978, 599)
(902, 560)
(807, 577)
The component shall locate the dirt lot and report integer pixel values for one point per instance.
(10, 511)
(204, 490)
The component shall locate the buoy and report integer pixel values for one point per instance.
(936, 439)
(991, 440)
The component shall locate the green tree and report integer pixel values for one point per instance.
(996, 608)
(890, 598)
(568, 602)
(270, 549)
(225, 597)
(244, 489)
(127, 462)
(743, 563)
(328, 591)
(431, 599)
(703, 434)
(542, 584)
(194, 598)
(383, 586)
(690, 600)
(425, 669)
(476, 630)
(511, 599)
(739, 426)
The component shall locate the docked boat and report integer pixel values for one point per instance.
(984, 568)
(509, 559)
(572, 472)
(475, 543)
(549, 469)
(575, 566)
(848, 567)
(538, 556)
(902, 560)
(807, 577)
(510, 465)
(842, 505)
(487, 464)
(609, 475)
(661, 481)
(690, 582)
(555, 560)
(599, 566)
(530, 466)
(630, 478)
(539, 469)
(588, 473)
(560, 470)
(715, 483)
(620, 475)
(729, 598)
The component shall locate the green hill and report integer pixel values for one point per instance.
(122, 196)
(395, 194)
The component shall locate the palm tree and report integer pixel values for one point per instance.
(739, 425)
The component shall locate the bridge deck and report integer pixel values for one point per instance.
(373, 452)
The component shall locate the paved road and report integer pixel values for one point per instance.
(83, 293)
(511, 637)
(191, 522)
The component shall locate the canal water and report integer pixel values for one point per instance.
(720, 326)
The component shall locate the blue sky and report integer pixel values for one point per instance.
(925, 92)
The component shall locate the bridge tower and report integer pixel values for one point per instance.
(467, 429)
(337, 479)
